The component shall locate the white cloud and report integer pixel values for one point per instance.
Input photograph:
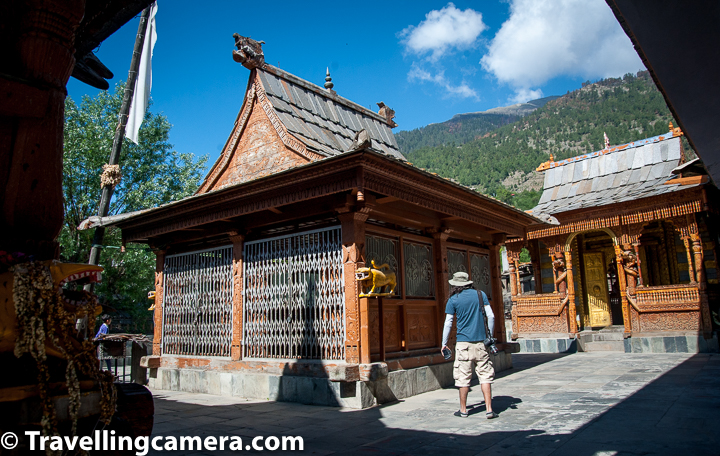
(442, 30)
(462, 90)
(525, 95)
(543, 39)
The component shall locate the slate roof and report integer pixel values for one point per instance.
(623, 173)
(324, 121)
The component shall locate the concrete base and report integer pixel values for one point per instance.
(398, 384)
(613, 341)
(683, 343)
(548, 345)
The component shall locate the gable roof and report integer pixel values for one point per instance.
(324, 121)
(623, 173)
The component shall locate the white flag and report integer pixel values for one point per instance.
(144, 80)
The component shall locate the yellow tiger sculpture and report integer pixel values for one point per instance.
(372, 279)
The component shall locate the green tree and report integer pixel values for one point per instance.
(153, 173)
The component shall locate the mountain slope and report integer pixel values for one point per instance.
(463, 128)
(502, 161)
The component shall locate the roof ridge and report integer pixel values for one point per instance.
(321, 91)
(629, 145)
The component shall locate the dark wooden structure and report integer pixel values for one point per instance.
(44, 42)
(662, 30)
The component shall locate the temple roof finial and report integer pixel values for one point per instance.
(328, 80)
(249, 52)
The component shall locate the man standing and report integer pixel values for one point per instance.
(102, 332)
(470, 348)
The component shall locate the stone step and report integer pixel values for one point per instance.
(613, 328)
(601, 336)
(609, 345)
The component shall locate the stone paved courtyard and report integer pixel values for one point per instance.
(579, 404)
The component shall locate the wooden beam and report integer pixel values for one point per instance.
(275, 210)
(693, 180)
(404, 217)
(387, 199)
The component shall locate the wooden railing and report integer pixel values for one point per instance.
(666, 298)
(539, 304)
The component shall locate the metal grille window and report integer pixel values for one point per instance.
(294, 297)
(457, 262)
(382, 251)
(480, 272)
(418, 270)
(197, 303)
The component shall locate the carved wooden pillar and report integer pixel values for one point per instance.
(513, 269)
(636, 247)
(441, 280)
(683, 227)
(357, 333)
(570, 291)
(697, 249)
(513, 254)
(499, 306)
(238, 242)
(158, 315)
(534, 249)
(688, 251)
(622, 283)
(38, 58)
(513, 257)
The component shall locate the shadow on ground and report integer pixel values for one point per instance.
(580, 404)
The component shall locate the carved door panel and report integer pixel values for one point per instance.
(596, 289)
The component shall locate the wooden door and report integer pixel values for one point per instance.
(596, 289)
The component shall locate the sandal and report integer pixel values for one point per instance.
(461, 414)
(491, 415)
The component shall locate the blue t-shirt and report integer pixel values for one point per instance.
(103, 330)
(465, 306)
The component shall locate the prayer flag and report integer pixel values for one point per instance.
(144, 80)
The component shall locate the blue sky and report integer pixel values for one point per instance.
(428, 60)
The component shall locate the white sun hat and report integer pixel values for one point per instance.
(460, 279)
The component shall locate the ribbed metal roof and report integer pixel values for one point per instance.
(325, 122)
(623, 173)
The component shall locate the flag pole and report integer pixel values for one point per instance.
(107, 190)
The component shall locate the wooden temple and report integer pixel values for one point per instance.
(256, 286)
(633, 248)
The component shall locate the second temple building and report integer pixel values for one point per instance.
(629, 262)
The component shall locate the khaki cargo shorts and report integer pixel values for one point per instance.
(467, 353)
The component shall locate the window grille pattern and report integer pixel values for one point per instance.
(480, 273)
(457, 262)
(197, 303)
(418, 270)
(382, 251)
(294, 297)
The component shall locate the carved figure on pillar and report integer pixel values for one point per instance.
(560, 273)
(512, 268)
(622, 283)
(630, 265)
